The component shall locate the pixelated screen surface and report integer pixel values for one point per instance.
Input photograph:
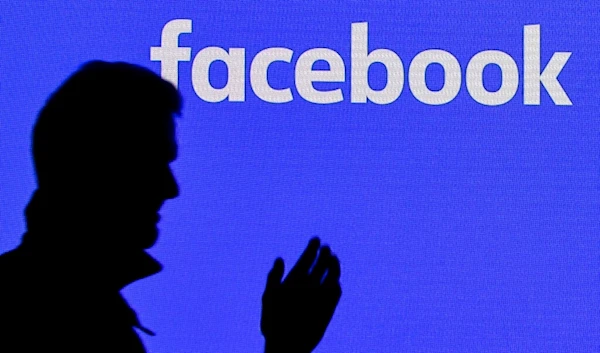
(447, 151)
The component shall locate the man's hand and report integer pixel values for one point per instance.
(297, 311)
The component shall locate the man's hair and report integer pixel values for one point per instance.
(101, 111)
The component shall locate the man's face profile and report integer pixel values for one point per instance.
(134, 188)
(142, 185)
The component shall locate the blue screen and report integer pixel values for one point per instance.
(447, 151)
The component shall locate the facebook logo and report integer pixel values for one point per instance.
(169, 53)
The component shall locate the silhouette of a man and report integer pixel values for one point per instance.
(102, 146)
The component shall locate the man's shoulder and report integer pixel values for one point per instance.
(10, 255)
(10, 263)
(14, 294)
(16, 279)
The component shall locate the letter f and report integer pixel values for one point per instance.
(169, 53)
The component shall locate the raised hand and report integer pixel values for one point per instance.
(297, 311)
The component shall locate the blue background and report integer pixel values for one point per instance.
(460, 228)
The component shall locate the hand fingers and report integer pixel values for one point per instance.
(306, 259)
(269, 306)
(275, 275)
(323, 262)
(333, 274)
(332, 290)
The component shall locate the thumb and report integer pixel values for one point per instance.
(275, 275)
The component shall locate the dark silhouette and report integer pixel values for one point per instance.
(102, 145)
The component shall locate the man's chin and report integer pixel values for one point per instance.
(135, 236)
(150, 238)
(143, 237)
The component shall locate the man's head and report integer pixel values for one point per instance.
(102, 146)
